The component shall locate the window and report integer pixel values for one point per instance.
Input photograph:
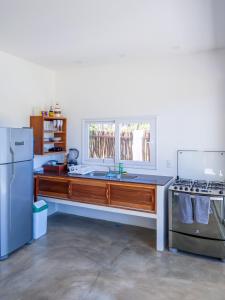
(101, 140)
(134, 141)
(131, 141)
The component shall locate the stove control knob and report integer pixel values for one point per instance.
(197, 190)
(175, 187)
(220, 192)
(191, 189)
(181, 188)
(186, 189)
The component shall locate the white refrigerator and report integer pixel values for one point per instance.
(16, 188)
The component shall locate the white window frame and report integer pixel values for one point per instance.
(85, 144)
(127, 163)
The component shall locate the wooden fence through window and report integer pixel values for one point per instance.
(102, 145)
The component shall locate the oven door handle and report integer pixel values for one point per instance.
(216, 198)
(211, 198)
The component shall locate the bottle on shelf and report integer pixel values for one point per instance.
(51, 112)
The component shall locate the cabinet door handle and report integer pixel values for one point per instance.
(70, 189)
(107, 193)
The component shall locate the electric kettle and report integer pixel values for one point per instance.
(72, 157)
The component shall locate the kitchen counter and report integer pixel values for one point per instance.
(136, 195)
(140, 178)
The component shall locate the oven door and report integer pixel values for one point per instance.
(215, 229)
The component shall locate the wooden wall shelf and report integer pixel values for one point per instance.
(46, 127)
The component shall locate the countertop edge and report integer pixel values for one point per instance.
(142, 178)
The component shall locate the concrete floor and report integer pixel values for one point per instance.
(87, 259)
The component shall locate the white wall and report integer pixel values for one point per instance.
(23, 86)
(186, 92)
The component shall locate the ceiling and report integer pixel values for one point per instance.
(57, 33)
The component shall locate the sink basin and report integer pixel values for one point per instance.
(104, 174)
(99, 173)
(127, 176)
(112, 175)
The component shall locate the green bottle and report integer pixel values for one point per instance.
(121, 169)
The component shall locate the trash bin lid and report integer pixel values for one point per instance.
(39, 206)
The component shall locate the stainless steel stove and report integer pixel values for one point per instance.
(203, 179)
(199, 186)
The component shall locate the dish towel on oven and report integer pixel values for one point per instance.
(201, 209)
(185, 208)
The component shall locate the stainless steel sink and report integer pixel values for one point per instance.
(112, 175)
(127, 176)
(98, 173)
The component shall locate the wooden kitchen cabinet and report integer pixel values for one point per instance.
(89, 191)
(141, 197)
(133, 196)
(53, 187)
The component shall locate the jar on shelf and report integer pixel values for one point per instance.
(57, 110)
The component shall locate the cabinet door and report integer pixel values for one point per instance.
(53, 187)
(89, 191)
(133, 196)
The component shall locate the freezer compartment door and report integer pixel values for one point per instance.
(16, 145)
(215, 229)
(16, 200)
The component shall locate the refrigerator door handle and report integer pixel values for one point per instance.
(12, 177)
(11, 148)
(13, 160)
(13, 165)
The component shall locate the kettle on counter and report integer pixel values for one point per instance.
(72, 157)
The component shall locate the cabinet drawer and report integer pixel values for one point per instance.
(137, 197)
(89, 191)
(53, 187)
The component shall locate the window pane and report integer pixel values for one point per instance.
(135, 141)
(101, 140)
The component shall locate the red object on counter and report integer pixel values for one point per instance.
(58, 169)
